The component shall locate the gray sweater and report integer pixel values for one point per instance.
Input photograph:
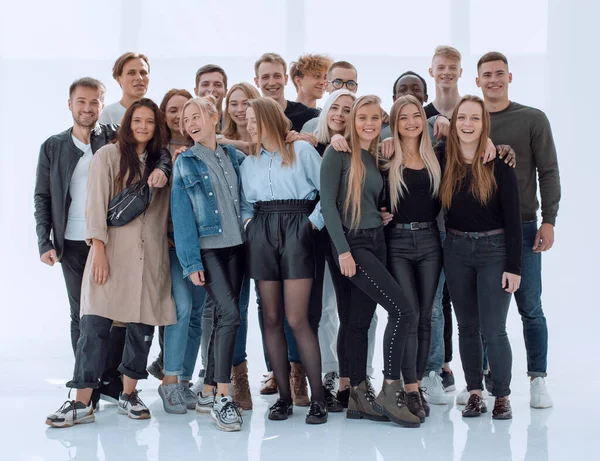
(527, 131)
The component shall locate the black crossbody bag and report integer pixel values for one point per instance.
(129, 204)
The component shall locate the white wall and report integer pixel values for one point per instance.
(46, 45)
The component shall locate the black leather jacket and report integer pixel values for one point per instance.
(57, 161)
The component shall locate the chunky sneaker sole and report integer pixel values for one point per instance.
(390, 417)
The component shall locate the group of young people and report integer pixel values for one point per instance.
(330, 211)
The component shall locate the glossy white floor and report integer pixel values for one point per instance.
(32, 385)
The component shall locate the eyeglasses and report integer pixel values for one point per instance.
(339, 83)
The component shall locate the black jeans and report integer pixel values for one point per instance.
(414, 258)
(373, 285)
(73, 263)
(447, 309)
(474, 268)
(93, 348)
(224, 272)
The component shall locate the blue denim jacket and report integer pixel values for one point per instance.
(193, 205)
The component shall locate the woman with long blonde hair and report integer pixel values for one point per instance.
(482, 252)
(351, 186)
(281, 180)
(414, 252)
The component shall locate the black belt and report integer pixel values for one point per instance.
(415, 226)
(476, 235)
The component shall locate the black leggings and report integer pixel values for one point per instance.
(373, 285)
(415, 261)
(447, 309)
(224, 271)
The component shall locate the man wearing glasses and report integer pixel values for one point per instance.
(341, 74)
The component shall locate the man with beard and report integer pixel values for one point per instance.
(61, 189)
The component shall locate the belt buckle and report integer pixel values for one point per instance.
(414, 226)
(473, 235)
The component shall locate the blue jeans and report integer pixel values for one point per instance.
(182, 340)
(436, 352)
(529, 303)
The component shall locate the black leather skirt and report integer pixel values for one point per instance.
(280, 240)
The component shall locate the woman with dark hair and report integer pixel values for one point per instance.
(125, 278)
(281, 180)
(482, 252)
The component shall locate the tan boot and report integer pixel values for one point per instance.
(391, 402)
(298, 386)
(241, 386)
(269, 385)
(360, 403)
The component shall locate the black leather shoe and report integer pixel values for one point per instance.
(317, 413)
(415, 406)
(333, 404)
(280, 410)
(502, 409)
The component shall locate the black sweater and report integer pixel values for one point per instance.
(502, 211)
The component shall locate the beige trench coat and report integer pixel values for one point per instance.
(138, 289)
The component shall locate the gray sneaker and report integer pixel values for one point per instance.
(226, 415)
(171, 398)
(188, 398)
(205, 403)
(71, 413)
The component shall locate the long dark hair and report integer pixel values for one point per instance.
(163, 107)
(129, 165)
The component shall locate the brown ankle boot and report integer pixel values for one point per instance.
(241, 386)
(298, 385)
(360, 403)
(391, 402)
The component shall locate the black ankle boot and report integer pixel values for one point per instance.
(317, 414)
(280, 410)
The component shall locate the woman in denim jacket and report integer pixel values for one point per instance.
(206, 209)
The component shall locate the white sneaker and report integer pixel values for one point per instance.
(463, 397)
(434, 391)
(71, 413)
(539, 394)
(205, 402)
(198, 386)
(226, 415)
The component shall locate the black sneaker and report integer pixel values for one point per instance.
(95, 398)
(343, 397)
(317, 413)
(415, 405)
(333, 404)
(448, 381)
(110, 392)
(156, 369)
(281, 410)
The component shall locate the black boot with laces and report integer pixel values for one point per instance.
(317, 413)
(280, 410)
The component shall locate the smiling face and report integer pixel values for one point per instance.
(411, 85)
(312, 85)
(410, 123)
(238, 103)
(445, 71)
(143, 124)
(135, 78)
(493, 78)
(271, 80)
(338, 114)
(469, 122)
(85, 104)
(201, 127)
(367, 122)
(252, 125)
(212, 83)
(173, 112)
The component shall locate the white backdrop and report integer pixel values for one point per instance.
(44, 46)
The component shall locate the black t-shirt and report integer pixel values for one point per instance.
(502, 211)
(417, 205)
(299, 114)
(430, 110)
(320, 147)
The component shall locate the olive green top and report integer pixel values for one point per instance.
(334, 189)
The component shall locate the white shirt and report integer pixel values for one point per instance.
(112, 113)
(78, 192)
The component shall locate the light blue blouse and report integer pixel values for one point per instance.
(264, 178)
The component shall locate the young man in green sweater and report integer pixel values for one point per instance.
(527, 131)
